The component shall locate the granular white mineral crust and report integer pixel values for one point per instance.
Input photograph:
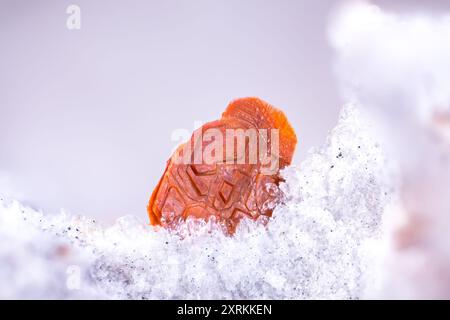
(396, 65)
(321, 243)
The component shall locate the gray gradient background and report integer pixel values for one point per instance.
(86, 116)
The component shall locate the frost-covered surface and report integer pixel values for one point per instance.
(396, 65)
(320, 244)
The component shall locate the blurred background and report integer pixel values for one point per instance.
(86, 116)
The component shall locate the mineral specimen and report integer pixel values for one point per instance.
(228, 170)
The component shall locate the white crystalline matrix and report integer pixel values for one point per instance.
(318, 244)
(396, 65)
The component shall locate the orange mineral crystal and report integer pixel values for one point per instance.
(229, 169)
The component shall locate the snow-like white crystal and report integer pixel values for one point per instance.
(314, 246)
